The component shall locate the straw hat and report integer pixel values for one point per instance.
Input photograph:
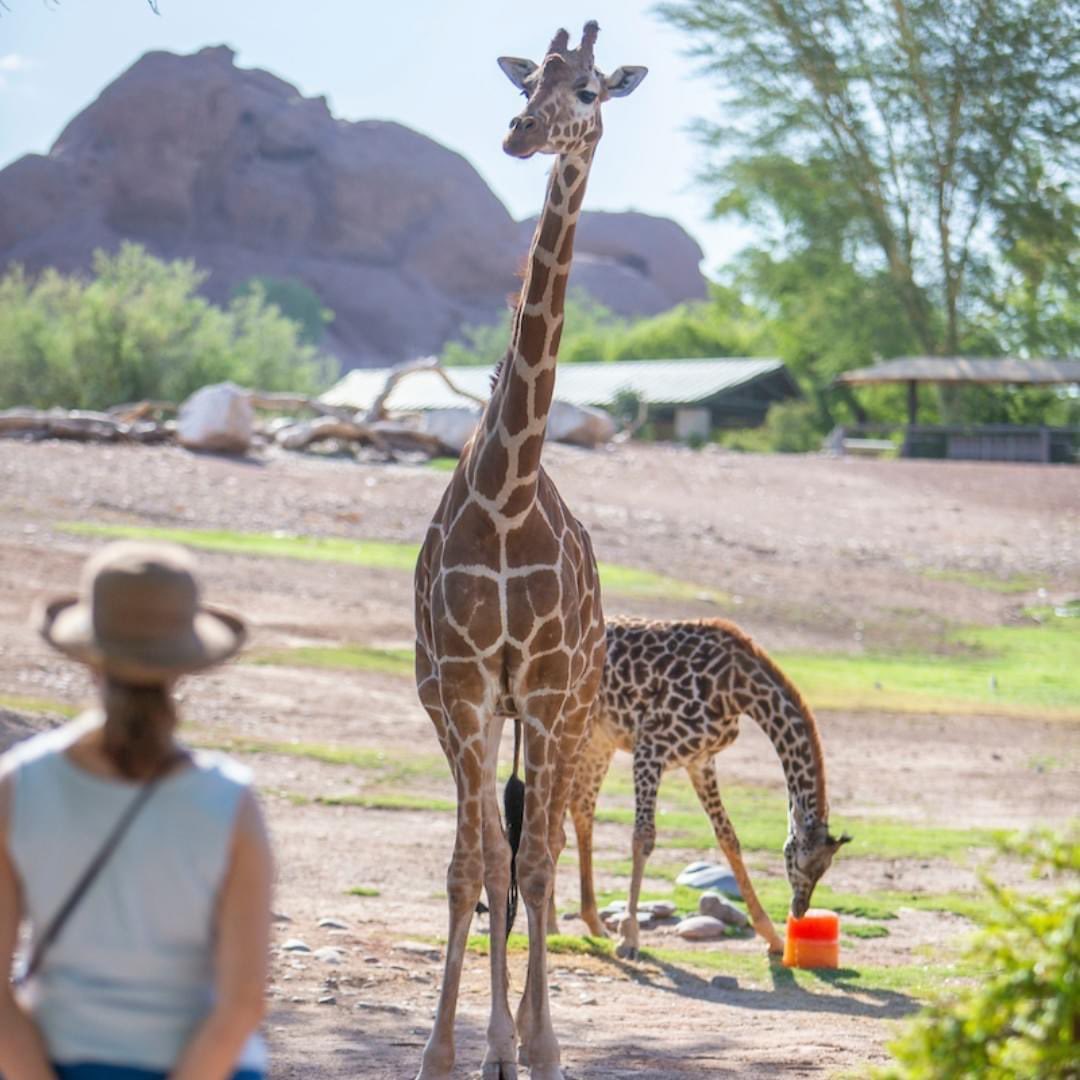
(138, 616)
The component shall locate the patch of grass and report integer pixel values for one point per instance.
(375, 554)
(760, 819)
(1023, 671)
(389, 800)
(922, 981)
(443, 464)
(1017, 583)
(399, 662)
(17, 703)
(389, 767)
(866, 931)
(362, 890)
(775, 896)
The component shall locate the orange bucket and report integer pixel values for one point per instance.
(813, 941)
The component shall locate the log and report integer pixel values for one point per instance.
(377, 411)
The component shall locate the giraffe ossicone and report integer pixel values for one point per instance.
(508, 614)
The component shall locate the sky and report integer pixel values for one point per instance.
(428, 64)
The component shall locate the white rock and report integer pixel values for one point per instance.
(329, 954)
(218, 417)
(295, 945)
(713, 904)
(580, 425)
(701, 928)
(333, 924)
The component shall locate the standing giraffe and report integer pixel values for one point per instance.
(508, 618)
(672, 695)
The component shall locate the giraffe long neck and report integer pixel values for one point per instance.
(790, 725)
(512, 431)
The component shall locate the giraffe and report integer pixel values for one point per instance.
(508, 616)
(672, 695)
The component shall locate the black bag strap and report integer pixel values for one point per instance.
(97, 864)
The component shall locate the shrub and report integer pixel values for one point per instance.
(1021, 1021)
(138, 329)
(791, 427)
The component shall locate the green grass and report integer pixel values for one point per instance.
(374, 554)
(1025, 671)
(362, 890)
(389, 800)
(17, 703)
(921, 981)
(872, 931)
(760, 819)
(443, 464)
(1017, 583)
(775, 896)
(399, 662)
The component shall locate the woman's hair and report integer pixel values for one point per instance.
(139, 722)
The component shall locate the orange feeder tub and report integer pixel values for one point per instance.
(813, 941)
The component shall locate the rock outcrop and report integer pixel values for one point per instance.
(234, 168)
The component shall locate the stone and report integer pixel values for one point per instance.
(330, 954)
(713, 904)
(399, 236)
(701, 928)
(219, 417)
(660, 909)
(328, 999)
(419, 948)
(332, 924)
(295, 945)
(724, 982)
(579, 425)
(705, 875)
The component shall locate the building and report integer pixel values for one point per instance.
(684, 398)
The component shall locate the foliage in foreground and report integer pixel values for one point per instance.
(1022, 1019)
(138, 329)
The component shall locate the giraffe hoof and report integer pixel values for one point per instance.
(626, 952)
(499, 1070)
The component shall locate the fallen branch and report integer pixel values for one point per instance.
(377, 411)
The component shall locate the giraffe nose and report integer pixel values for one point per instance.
(523, 124)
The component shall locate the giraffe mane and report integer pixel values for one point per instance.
(745, 641)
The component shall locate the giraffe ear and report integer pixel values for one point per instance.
(624, 80)
(517, 70)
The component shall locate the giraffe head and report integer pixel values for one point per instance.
(565, 92)
(808, 852)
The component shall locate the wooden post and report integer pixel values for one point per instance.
(912, 402)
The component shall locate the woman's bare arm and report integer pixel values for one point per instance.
(22, 1049)
(241, 957)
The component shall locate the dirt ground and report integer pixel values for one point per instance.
(811, 552)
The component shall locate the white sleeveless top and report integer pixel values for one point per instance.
(130, 977)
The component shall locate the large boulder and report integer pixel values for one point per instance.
(401, 238)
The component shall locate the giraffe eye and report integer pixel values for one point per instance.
(586, 97)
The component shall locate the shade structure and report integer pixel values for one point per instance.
(964, 369)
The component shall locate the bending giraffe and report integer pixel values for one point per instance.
(672, 695)
(508, 617)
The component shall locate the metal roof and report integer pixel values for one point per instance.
(961, 369)
(658, 382)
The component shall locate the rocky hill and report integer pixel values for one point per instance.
(234, 168)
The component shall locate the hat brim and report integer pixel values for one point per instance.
(67, 625)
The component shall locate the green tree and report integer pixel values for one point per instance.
(295, 301)
(138, 329)
(907, 158)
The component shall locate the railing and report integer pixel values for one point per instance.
(960, 442)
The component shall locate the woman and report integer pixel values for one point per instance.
(158, 970)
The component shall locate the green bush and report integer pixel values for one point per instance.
(138, 329)
(1021, 1020)
(295, 300)
(791, 427)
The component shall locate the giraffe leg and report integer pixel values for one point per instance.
(465, 873)
(703, 777)
(500, 1059)
(592, 766)
(548, 773)
(647, 774)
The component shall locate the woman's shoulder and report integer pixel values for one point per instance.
(46, 746)
(220, 769)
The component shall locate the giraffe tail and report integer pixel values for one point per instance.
(514, 814)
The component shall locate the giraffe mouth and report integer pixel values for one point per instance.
(524, 142)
